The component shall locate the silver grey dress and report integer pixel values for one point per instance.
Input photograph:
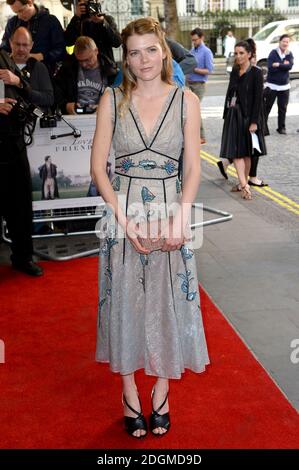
(149, 308)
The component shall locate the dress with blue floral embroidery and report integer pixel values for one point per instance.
(149, 308)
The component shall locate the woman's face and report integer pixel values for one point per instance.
(241, 56)
(145, 56)
(284, 44)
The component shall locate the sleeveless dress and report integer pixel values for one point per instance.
(149, 307)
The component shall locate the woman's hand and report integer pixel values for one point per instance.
(133, 231)
(253, 127)
(173, 232)
(150, 229)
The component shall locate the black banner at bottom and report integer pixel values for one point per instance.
(131, 459)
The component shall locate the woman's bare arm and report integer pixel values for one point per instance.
(99, 156)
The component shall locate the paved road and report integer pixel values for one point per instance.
(280, 168)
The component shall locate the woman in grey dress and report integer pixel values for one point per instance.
(149, 314)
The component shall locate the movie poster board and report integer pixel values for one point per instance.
(60, 164)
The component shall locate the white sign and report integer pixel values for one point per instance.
(60, 164)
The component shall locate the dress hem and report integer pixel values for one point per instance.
(196, 371)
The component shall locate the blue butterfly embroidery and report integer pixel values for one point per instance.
(186, 253)
(147, 195)
(169, 167)
(126, 164)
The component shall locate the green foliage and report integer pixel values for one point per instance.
(223, 20)
(273, 16)
(255, 12)
(222, 25)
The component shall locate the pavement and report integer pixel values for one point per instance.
(249, 266)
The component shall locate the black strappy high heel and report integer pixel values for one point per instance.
(157, 420)
(133, 424)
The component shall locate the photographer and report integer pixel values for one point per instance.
(100, 27)
(15, 179)
(41, 92)
(82, 80)
(46, 31)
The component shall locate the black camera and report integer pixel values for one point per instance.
(25, 111)
(93, 8)
(48, 120)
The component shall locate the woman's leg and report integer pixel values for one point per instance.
(223, 165)
(282, 103)
(247, 161)
(242, 166)
(131, 395)
(241, 170)
(253, 179)
(160, 391)
(253, 168)
(269, 97)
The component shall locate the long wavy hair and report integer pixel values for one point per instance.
(129, 83)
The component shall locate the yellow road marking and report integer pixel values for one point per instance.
(275, 196)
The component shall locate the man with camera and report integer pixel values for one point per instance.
(46, 32)
(81, 81)
(41, 92)
(90, 21)
(15, 179)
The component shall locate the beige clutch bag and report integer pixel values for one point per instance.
(152, 244)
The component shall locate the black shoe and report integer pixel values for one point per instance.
(28, 267)
(261, 185)
(281, 131)
(133, 424)
(159, 421)
(222, 169)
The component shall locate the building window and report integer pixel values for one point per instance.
(215, 5)
(137, 7)
(269, 3)
(293, 3)
(242, 4)
(190, 6)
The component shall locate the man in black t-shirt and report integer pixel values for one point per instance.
(82, 80)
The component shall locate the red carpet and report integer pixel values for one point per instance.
(54, 395)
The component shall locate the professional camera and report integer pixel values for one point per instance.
(93, 8)
(25, 111)
(26, 115)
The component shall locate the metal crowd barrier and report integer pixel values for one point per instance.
(92, 212)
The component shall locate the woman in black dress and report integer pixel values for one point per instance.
(243, 115)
